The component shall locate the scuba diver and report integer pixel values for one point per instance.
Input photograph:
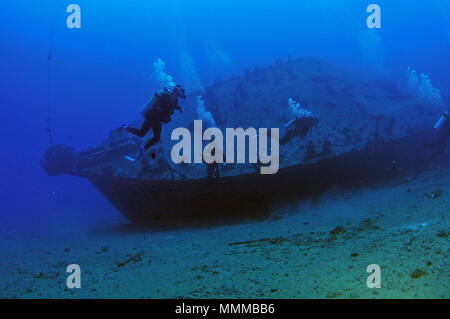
(443, 128)
(299, 126)
(213, 169)
(159, 110)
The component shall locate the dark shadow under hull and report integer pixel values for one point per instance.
(251, 195)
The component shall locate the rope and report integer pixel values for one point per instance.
(49, 73)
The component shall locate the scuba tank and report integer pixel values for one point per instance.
(442, 120)
(146, 109)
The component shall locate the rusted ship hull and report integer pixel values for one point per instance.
(253, 195)
(367, 130)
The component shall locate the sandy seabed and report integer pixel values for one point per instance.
(318, 249)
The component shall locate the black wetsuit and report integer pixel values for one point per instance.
(300, 127)
(161, 107)
(213, 169)
(213, 172)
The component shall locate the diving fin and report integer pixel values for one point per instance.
(132, 160)
(116, 133)
(288, 124)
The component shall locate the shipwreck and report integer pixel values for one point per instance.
(367, 130)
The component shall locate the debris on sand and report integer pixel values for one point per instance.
(443, 233)
(132, 258)
(418, 273)
(104, 249)
(272, 241)
(434, 194)
(248, 242)
(338, 230)
(412, 228)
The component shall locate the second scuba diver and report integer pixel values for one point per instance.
(443, 128)
(299, 126)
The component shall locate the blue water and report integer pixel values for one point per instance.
(102, 73)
